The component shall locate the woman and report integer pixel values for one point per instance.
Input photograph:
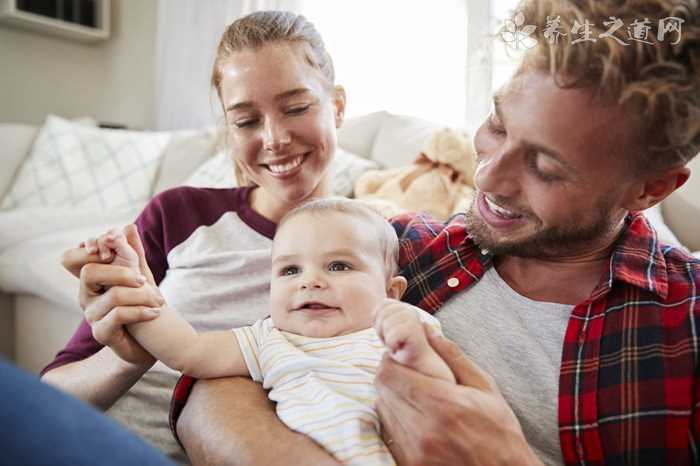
(209, 249)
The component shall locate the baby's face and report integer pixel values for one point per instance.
(327, 275)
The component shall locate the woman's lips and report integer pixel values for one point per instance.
(289, 168)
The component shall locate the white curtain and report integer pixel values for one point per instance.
(403, 68)
(187, 35)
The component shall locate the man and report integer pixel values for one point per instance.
(575, 329)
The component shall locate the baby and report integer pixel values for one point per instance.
(334, 264)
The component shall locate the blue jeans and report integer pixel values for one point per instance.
(42, 426)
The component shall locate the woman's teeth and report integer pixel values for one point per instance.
(495, 208)
(285, 167)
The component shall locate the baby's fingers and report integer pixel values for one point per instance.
(90, 245)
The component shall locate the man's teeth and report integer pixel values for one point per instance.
(500, 210)
(285, 167)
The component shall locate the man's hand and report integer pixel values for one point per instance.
(427, 421)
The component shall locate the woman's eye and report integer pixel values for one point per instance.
(298, 109)
(245, 123)
(289, 271)
(339, 267)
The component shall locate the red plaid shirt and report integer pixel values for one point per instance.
(628, 386)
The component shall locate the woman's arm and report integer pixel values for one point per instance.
(100, 379)
(231, 421)
(94, 373)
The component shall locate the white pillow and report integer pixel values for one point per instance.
(187, 150)
(400, 139)
(72, 165)
(346, 167)
(217, 172)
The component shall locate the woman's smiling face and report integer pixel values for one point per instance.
(282, 115)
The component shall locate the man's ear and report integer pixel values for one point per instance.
(655, 188)
(397, 287)
(339, 102)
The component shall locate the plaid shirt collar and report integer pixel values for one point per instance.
(637, 259)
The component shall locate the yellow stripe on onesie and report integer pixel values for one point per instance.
(323, 387)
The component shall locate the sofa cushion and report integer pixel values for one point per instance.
(400, 139)
(186, 151)
(72, 165)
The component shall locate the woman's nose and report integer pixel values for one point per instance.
(276, 136)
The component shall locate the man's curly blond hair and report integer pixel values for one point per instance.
(658, 84)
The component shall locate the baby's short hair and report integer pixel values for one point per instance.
(385, 233)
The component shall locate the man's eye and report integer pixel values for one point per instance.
(494, 126)
(289, 270)
(339, 267)
(546, 177)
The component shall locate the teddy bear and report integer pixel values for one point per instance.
(439, 181)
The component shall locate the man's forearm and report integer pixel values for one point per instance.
(231, 422)
(99, 380)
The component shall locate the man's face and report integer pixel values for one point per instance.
(551, 177)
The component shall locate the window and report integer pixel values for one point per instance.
(403, 56)
(504, 61)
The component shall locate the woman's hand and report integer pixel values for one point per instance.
(428, 421)
(113, 296)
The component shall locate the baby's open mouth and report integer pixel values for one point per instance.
(316, 306)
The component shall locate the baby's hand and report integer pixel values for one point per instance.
(113, 244)
(403, 333)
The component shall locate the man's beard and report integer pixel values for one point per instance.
(552, 242)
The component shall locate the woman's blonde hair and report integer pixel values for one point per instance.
(657, 82)
(262, 28)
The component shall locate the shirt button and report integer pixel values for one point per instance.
(453, 282)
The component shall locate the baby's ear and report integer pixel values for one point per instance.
(396, 288)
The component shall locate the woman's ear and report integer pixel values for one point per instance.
(397, 287)
(339, 102)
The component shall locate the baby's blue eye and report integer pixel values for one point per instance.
(339, 267)
(289, 270)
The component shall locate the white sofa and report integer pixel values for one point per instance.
(38, 299)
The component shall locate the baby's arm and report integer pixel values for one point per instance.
(400, 327)
(169, 337)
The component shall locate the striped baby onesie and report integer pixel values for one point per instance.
(323, 387)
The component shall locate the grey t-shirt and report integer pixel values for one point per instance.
(519, 342)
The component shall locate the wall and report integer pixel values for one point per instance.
(112, 80)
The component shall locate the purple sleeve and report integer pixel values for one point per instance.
(82, 345)
(168, 220)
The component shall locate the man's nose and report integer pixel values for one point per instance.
(499, 172)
